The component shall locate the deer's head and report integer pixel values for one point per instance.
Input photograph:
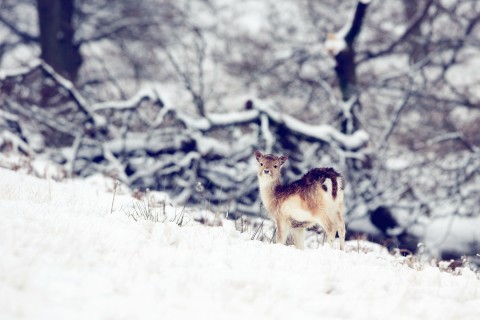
(269, 165)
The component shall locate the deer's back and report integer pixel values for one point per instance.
(307, 186)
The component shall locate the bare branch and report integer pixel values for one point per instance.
(25, 36)
(414, 24)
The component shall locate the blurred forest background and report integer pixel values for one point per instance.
(175, 96)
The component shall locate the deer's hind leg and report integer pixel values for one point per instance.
(299, 237)
(327, 225)
(340, 225)
(341, 231)
(330, 231)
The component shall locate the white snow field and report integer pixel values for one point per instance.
(65, 254)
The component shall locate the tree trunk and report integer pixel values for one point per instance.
(56, 37)
(345, 68)
(346, 72)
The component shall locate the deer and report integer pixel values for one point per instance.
(314, 199)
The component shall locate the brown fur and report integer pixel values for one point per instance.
(307, 186)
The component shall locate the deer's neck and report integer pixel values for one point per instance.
(267, 193)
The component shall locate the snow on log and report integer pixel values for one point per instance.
(84, 107)
(324, 132)
(132, 103)
(232, 118)
(161, 147)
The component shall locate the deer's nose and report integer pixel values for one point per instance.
(266, 171)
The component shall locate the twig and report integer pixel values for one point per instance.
(257, 230)
(114, 193)
(182, 213)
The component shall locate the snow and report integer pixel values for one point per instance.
(452, 233)
(19, 71)
(220, 119)
(328, 133)
(397, 164)
(323, 132)
(70, 251)
(131, 103)
(335, 43)
(247, 15)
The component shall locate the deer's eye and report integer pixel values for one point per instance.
(275, 166)
(261, 164)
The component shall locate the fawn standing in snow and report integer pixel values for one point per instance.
(316, 198)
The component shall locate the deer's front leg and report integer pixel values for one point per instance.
(282, 231)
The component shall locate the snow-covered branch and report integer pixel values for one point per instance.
(159, 146)
(97, 120)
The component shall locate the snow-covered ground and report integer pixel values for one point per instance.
(65, 253)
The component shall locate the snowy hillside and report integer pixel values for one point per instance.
(176, 96)
(65, 254)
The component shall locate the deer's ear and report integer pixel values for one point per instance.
(283, 159)
(258, 155)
